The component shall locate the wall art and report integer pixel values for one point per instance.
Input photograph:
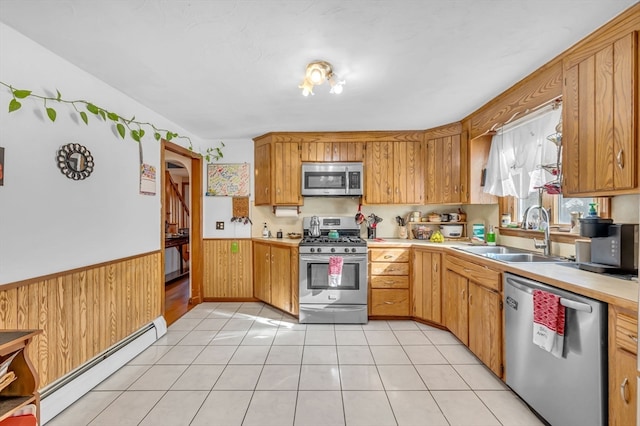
(147, 179)
(75, 161)
(228, 180)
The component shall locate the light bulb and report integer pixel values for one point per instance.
(337, 88)
(316, 76)
(305, 92)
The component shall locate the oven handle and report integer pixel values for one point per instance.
(325, 257)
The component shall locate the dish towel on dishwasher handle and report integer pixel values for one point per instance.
(335, 271)
(548, 322)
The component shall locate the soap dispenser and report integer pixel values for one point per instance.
(491, 236)
(265, 231)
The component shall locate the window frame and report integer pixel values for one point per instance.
(509, 205)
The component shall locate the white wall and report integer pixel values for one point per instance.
(49, 223)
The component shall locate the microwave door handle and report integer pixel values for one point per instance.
(346, 181)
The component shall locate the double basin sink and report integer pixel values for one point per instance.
(510, 254)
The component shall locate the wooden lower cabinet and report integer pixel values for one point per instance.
(275, 271)
(472, 309)
(389, 282)
(427, 285)
(623, 386)
(227, 268)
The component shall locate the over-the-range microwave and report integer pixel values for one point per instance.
(332, 179)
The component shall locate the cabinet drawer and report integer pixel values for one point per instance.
(389, 281)
(387, 268)
(627, 332)
(389, 255)
(477, 273)
(390, 302)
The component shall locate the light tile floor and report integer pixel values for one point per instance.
(248, 364)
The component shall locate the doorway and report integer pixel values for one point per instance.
(181, 231)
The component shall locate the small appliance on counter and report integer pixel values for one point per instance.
(614, 247)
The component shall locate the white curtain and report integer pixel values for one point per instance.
(517, 152)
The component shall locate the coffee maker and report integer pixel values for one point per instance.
(614, 247)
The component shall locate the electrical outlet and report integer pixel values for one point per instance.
(219, 225)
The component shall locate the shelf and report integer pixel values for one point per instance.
(436, 223)
(9, 405)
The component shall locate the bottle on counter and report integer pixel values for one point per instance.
(279, 233)
(491, 236)
(265, 231)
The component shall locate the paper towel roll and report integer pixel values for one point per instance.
(286, 212)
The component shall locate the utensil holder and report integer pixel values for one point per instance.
(402, 232)
(371, 233)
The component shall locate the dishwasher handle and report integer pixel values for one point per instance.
(564, 301)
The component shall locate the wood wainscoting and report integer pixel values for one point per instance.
(84, 311)
(228, 274)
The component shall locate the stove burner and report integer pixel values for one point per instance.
(326, 240)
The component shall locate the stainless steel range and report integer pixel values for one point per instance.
(323, 298)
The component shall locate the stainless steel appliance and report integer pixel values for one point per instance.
(614, 247)
(571, 390)
(332, 179)
(320, 300)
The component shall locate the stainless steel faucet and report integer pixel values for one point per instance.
(546, 244)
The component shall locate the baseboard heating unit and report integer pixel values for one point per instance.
(65, 391)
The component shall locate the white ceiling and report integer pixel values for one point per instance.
(226, 69)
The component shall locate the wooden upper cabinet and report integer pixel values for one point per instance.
(445, 173)
(262, 160)
(320, 152)
(277, 172)
(394, 172)
(600, 119)
(378, 171)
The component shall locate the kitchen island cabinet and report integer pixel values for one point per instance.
(472, 305)
(275, 270)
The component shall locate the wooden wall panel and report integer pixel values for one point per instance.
(84, 311)
(226, 274)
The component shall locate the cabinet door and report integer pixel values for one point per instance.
(281, 277)
(485, 326)
(287, 180)
(443, 182)
(427, 297)
(262, 174)
(379, 173)
(623, 389)
(409, 172)
(599, 94)
(262, 271)
(454, 306)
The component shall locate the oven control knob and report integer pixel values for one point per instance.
(312, 249)
(333, 250)
(319, 250)
(346, 250)
(353, 250)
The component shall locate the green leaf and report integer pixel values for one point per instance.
(113, 116)
(135, 135)
(102, 114)
(84, 117)
(121, 131)
(92, 108)
(141, 132)
(51, 113)
(59, 95)
(14, 105)
(157, 136)
(21, 94)
(169, 136)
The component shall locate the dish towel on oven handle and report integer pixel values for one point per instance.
(335, 271)
(548, 322)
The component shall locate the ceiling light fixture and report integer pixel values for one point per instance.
(317, 72)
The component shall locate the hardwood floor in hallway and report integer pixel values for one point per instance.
(176, 299)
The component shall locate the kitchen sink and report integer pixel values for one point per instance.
(523, 258)
(483, 250)
(510, 254)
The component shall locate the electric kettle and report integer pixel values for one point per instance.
(314, 226)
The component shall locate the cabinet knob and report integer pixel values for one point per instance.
(388, 256)
(624, 390)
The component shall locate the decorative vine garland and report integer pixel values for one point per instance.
(122, 125)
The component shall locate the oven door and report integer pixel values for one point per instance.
(314, 280)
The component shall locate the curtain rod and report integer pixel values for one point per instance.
(530, 114)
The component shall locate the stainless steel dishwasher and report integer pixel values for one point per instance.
(566, 391)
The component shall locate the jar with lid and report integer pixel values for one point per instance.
(505, 219)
